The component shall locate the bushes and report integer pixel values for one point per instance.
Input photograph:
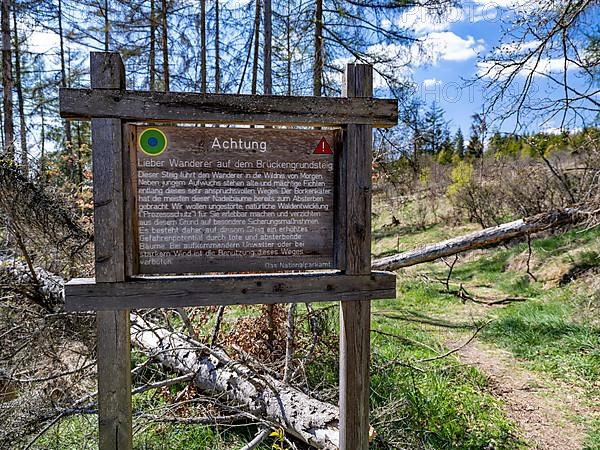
(500, 186)
(496, 190)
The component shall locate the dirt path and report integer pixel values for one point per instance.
(544, 411)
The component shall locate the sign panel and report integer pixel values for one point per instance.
(233, 199)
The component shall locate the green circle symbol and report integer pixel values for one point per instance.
(152, 141)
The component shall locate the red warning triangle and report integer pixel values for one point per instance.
(323, 148)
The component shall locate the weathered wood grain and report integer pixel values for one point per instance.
(226, 108)
(108, 185)
(132, 260)
(114, 360)
(114, 378)
(106, 71)
(356, 247)
(84, 294)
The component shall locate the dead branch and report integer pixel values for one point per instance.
(40, 214)
(257, 440)
(460, 347)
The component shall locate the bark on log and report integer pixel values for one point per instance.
(300, 415)
(479, 239)
(45, 288)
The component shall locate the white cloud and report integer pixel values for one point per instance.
(423, 20)
(436, 41)
(488, 69)
(495, 10)
(558, 130)
(398, 60)
(506, 4)
(43, 41)
(234, 4)
(390, 60)
(448, 46)
(431, 82)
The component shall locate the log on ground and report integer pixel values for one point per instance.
(308, 419)
(479, 239)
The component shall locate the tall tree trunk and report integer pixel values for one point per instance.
(79, 159)
(42, 138)
(2, 129)
(19, 87)
(256, 47)
(247, 61)
(106, 27)
(217, 51)
(267, 70)
(165, 44)
(152, 55)
(7, 82)
(63, 69)
(319, 61)
(203, 46)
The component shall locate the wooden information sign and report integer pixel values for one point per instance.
(175, 204)
(233, 199)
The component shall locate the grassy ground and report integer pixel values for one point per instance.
(419, 399)
(551, 327)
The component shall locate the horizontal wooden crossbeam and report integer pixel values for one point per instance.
(84, 294)
(83, 104)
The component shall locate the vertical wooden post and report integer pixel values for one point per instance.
(114, 359)
(354, 256)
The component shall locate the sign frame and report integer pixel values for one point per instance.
(110, 107)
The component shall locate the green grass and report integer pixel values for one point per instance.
(418, 404)
(80, 433)
(593, 439)
(555, 331)
(438, 404)
(545, 333)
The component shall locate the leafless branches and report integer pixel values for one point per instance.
(47, 231)
(545, 68)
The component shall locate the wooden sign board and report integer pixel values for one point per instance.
(213, 199)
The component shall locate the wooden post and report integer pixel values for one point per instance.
(114, 360)
(354, 256)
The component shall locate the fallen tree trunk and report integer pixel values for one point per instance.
(41, 286)
(300, 415)
(310, 420)
(479, 239)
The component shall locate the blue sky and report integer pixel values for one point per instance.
(444, 79)
(452, 44)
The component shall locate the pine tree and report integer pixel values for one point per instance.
(459, 144)
(477, 139)
(436, 129)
